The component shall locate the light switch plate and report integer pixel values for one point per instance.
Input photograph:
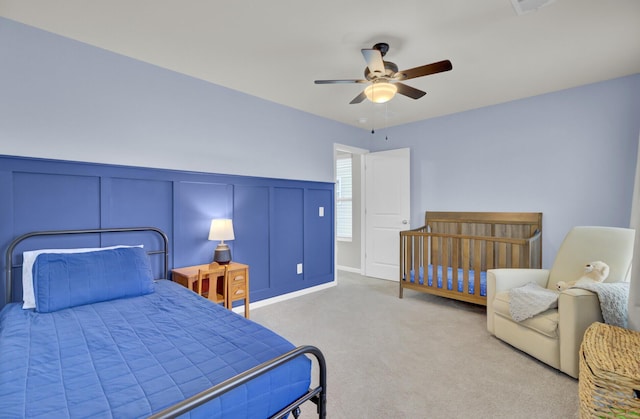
(299, 268)
(321, 211)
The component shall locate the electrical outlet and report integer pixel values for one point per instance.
(299, 268)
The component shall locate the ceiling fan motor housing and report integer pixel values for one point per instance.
(390, 69)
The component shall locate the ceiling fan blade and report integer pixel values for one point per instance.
(340, 81)
(424, 70)
(358, 98)
(409, 91)
(373, 57)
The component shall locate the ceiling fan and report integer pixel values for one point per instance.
(385, 78)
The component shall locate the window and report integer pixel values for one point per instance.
(344, 196)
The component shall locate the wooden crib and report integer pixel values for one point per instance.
(459, 244)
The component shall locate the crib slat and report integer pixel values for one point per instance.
(445, 261)
(490, 260)
(466, 263)
(515, 255)
(409, 256)
(477, 266)
(435, 260)
(454, 263)
(416, 258)
(403, 267)
(502, 255)
(426, 246)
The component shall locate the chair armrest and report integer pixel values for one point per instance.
(500, 280)
(577, 310)
(504, 279)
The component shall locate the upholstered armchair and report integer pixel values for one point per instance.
(554, 336)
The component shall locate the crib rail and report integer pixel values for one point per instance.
(466, 257)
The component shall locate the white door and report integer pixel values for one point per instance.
(387, 210)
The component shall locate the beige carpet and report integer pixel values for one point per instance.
(419, 357)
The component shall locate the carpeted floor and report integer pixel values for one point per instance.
(419, 357)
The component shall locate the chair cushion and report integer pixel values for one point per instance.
(545, 323)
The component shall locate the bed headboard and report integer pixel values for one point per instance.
(12, 264)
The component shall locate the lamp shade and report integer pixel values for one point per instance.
(221, 229)
(380, 92)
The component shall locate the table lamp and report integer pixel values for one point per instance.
(221, 229)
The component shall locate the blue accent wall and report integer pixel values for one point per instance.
(276, 222)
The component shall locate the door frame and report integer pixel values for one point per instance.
(360, 152)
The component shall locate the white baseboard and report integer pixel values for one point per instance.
(284, 297)
(349, 269)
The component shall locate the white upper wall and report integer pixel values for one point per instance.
(62, 99)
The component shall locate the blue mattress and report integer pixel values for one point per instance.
(439, 280)
(131, 357)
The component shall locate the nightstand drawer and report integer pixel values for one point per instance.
(237, 279)
(237, 292)
(237, 283)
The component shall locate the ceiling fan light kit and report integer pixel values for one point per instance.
(380, 92)
(385, 79)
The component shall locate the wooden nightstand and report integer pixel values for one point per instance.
(232, 281)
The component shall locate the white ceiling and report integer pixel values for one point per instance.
(276, 49)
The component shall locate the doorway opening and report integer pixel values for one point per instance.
(349, 212)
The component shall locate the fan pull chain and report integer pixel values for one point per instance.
(386, 120)
(373, 118)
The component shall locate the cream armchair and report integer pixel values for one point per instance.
(554, 336)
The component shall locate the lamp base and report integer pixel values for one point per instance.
(222, 254)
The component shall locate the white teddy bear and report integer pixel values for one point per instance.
(593, 272)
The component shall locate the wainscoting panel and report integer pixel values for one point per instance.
(251, 227)
(196, 204)
(287, 239)
(318, 229)
(276, 221)
(44, 201)
(134, 203)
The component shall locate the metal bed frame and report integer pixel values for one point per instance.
(317, 395)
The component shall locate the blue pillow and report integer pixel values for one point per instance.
(64, 280)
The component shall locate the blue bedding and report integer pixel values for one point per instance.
(439, 281)
(131, 357)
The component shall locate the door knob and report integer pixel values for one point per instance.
(404, 222)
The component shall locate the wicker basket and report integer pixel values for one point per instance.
(609, 380)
